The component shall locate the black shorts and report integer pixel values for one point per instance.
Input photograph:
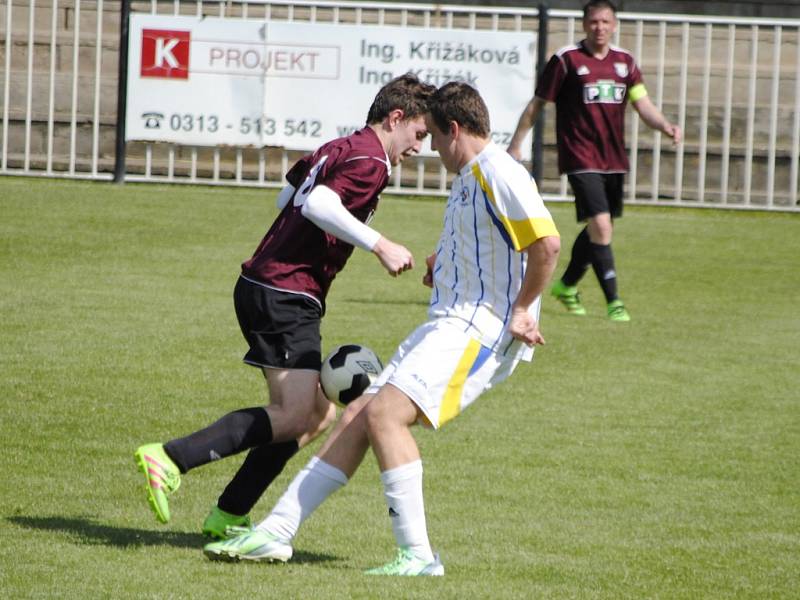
(597, 193)
(282, 329)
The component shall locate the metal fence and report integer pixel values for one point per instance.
(732, 84)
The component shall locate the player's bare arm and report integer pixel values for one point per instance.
(542, 258)
(526, 121)
(654, 119)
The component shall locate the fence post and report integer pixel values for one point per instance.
(538, 127)
(122, 91)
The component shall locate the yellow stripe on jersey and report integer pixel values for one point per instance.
(523, 232)
(637, 92)
(451, 403)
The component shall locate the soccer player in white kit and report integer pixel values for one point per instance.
(496, 253)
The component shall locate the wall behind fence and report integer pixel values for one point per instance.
(732, 84)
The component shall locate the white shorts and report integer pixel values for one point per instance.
(443, 370)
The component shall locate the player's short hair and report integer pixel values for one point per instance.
(595, 4)
(460, 102)
(406, 93)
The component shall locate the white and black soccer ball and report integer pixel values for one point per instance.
(347, 372)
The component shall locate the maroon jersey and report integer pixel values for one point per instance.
(591, 96)
(296, 255)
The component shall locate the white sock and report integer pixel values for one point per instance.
(305, 493)
(402, 487)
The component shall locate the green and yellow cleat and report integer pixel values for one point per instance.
(162, 475)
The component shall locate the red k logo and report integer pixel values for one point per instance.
(165, 53)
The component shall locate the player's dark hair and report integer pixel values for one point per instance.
(595, 4)
(405, 92)
(460, 102)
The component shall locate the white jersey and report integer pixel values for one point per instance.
(494, 211)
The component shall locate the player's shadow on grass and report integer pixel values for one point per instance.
(89, 532)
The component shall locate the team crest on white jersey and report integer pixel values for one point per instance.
(583, 70)
(464, 195)
(621, 69)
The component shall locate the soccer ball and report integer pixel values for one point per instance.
(347, 372)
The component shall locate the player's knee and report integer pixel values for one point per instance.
(600, 231)
(378, 414)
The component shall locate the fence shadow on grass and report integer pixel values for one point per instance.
(89, 532)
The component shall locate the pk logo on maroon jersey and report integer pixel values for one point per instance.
(165, 53)
(604, 92)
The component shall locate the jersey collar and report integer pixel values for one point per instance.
(490, 149)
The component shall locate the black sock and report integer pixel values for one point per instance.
(262, 465)
(236, 431)
(603, 265)
(580, 259)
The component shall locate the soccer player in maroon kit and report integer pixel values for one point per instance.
(590, 83)
(280, 300)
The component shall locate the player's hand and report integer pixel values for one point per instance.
(525, 328)
(430, 262)
(674, 132)
(394, 257)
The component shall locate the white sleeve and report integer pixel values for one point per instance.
(285, 196)
(324, 208)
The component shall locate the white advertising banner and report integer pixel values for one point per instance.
(210, 81)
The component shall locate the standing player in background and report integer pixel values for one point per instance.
(495, 255)
(280, 300)
(590, 84)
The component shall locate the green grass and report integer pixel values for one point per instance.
(655, 459)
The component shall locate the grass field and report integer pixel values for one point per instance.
(655, 459)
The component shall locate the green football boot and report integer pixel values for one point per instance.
(617, 312)
(406, 564)
(568, 296)
(221, 525)
(162, 475)
(255, 545)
